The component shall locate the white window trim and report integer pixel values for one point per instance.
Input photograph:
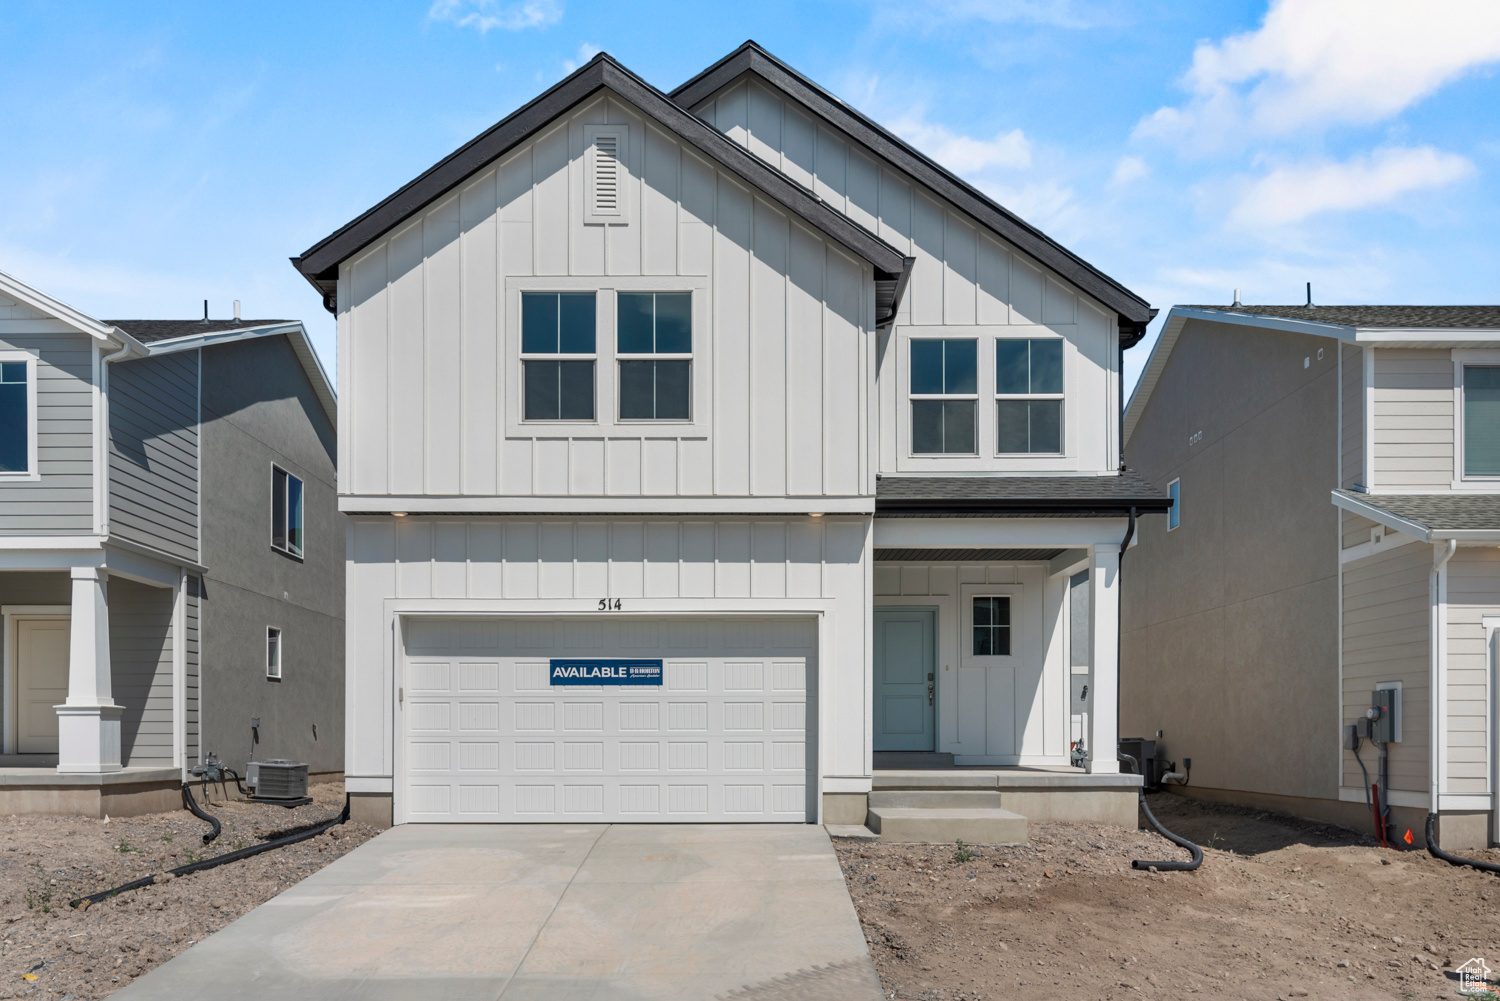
(606, 420)
(967, 594)
(1174, 513)
(944, 397)
(280, 653)
(1062, 415)
(287, 550)
(1461, 358)
(656, 356)
(33, 471)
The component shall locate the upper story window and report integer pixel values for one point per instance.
(1174, 513)
(1028, 395)
(654, 344)
(1481, 420)
(558, 353)
(286, 512)
(944, 394)
(17, 415)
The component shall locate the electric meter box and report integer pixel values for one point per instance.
(1383, 728)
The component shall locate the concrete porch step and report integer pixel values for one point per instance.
(945, 824)
(938, 799)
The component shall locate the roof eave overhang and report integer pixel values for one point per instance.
(1133, 311)
(80, 321)
(1013, 507)
(1415, 529)
(320, 262)
(294, 332)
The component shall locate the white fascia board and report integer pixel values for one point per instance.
(1468, 536)
(1436, 336)
(36, 299)
(294, 332)
(1355, 506)
(998, 533)
(50, 559)
(367, 783)
(667, 507)
(52, 543)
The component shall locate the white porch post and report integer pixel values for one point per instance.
(88, 723)
(1104, 671)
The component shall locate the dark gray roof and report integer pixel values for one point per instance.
(319, 263)
(1441, 317)
(147, 331)
(1446, 512)
(985, 494)
(1134, 311)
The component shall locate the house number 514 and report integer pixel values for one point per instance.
(609, 604)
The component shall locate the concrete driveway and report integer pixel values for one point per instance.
(753, 912)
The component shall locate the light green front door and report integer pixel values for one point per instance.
(905, 682)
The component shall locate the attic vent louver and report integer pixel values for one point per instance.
(605, 172)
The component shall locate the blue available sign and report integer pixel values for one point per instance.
(594, 671)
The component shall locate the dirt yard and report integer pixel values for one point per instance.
(46, 861)
(1281, 908)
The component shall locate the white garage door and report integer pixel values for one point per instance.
(725, 737)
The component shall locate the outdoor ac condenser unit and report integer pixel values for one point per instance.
(277, 779)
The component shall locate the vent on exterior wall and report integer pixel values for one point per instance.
(605, 196)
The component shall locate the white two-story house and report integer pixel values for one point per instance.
(700, 449)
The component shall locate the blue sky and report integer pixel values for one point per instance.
(159, 154)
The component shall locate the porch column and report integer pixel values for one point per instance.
(88, 723)
(1104, 671)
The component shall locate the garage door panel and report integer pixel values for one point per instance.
(722, 739)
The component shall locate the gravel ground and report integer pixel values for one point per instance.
(1281, 908)
(46, 861)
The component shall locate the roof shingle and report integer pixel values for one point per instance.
(147, 331)
(1446, 512)
(983, 494)
(1401, 317)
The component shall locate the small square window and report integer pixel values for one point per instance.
(273, 653)
(1174, 513)
(991, 626)
(286, 512)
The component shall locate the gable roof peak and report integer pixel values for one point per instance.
(751, 57)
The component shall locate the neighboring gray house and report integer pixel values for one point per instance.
(1337, 475)
(171, 555)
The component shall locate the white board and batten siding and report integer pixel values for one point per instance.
(966, 283)
(707, 573)
(1413, 420)
(61, 501)
(428, 339)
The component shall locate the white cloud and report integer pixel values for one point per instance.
(1318, 62)
(487, 14)
(964, 154)
(586, 51)
(1127, 171)
(1291, 194)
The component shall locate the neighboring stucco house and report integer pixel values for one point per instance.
(699, 449)
(170, 554)
(1337, 470)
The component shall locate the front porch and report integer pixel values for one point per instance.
(94, 718)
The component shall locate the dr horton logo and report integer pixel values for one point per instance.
(599, 671)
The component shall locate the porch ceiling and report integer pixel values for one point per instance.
(963, 555)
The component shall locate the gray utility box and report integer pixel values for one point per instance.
(1383, 727)
(277, 779)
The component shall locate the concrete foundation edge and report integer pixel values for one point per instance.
(114, 800)
(845, 807)
(1455, 831)
(373, 809)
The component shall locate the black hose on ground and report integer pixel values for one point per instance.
(1165, 866)
(1438, 853)
(237, 780)
(218, 860)
(192, 804)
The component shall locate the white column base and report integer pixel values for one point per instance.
(88, 738)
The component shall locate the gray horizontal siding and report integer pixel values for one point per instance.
(191, 684)
(1386, 603)
(140, 641)
(1413, 419)
(1473, 593)
(153, 454)
(62, 501)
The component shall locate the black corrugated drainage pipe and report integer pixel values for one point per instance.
(1436, 852)
(1165, 866)
(192, 804)
(218, 860)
